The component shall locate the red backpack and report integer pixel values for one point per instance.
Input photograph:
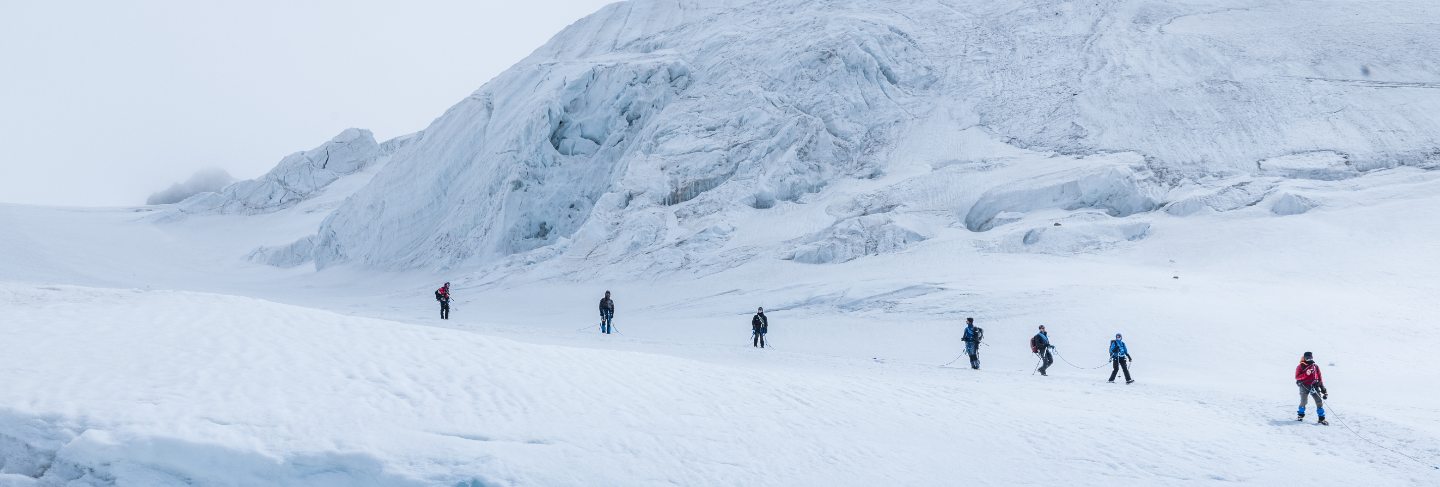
(1035, 344)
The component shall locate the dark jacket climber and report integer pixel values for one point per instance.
(759, 326)
(607, 313)
(972, 338)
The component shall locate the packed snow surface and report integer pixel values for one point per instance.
(1227, 183)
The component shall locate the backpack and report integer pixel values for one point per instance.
(437, 295)
(1035, 344)
(979, 335)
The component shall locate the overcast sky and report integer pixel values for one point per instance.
(103, 103)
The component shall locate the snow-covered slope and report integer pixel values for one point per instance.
(123, 387)
(651, 124)
(130, 385)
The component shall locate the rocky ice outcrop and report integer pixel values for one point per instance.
(1323, 165)
(1222, 197)
(1073, 237)
(298, 176)
(203, 181)
(652, 120)
(289, 255)
(1292, 204)
(852, 238)
(1117, 190)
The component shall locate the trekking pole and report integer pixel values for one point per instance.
(757, 339)
(597, 325)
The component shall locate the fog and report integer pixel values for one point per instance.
(105, 103)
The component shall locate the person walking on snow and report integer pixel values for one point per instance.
(1119, 359)
(1311, 384)
(443, 296)
(607, 313)
(1040, 345)
(973, 335)
(759, 325)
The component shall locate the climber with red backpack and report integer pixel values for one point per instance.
(1040, 346)
(1312, 385)
(443, 296)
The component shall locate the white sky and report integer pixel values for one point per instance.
(103, 103)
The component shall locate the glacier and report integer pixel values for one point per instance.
(649, 121)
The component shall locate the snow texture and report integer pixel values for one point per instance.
(203, 181)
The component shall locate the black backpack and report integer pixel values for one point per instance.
(1035, 344)
(979, 335)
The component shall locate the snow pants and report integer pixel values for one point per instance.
(758, 340)
(973, 350)
(605, 317)
(444, 310)
(1118, 364)
(1046, 359)
(1307, 392)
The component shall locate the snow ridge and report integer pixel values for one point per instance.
(297, 177)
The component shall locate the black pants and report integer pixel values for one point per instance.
(605, 322)
(973, 350)
(758, 340)
(444, 310)
(1046, 359)
(1118, 364)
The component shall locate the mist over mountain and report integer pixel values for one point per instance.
(203, 181)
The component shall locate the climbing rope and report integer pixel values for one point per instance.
(1062, 358)
(1377, 444)
(957, 359)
